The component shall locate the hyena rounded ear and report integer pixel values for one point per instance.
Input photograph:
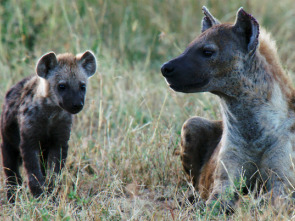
(88, 63)
(247, 26)
(208, 21)
(46, 63)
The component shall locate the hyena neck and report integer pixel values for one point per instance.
(261, 101)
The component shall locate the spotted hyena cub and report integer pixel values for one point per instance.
(256, 138)
(37, 117)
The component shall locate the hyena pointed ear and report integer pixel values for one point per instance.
(208, 21)
(46, 63)
(247, 26)
(88, 63)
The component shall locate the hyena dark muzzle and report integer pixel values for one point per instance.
(186, 73)
(71, 99)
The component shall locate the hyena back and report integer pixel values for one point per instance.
(37, 117)
(238, 63)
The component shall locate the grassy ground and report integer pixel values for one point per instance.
(122, 163)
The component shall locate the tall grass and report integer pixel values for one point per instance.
(122, 161)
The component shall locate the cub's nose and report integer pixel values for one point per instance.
(167, 69)
(77, 106)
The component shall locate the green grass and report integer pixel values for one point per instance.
(122, 163)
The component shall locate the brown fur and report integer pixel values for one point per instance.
(267, 49)
(37, 117)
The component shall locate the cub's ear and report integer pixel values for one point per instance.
(46, 63)
(88, 63)
(248, 28)
(208, 21)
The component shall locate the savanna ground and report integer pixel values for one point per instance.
(123, 162)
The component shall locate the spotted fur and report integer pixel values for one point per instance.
(255, 140)
(37, 117)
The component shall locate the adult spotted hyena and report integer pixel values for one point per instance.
(239, 64)
(37, 117)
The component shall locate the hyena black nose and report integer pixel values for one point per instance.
(167, 69)
(77, 106)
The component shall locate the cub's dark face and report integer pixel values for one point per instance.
(66, 78)
(214, 59)
(71, 94)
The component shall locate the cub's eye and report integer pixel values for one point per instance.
(83, 87)
(208, 53)
(62, 86)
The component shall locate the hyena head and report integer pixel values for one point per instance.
(215, 58)
(64, 78)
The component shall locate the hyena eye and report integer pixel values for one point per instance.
(208, 50)
(208, 53)
(83, 87)
(62, 86)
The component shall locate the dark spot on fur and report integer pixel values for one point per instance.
(25, 111)
(36, 109)
(293, 128)
(188, 138)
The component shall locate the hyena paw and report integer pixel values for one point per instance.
(220, 205)
(37, 188)
(192, 200)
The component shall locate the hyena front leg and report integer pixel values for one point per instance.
(228, 176)
(223, 190)
(278, 169)
(199, 139)
(11, 163)
(30, 151)
(57, 155)
(57, 152)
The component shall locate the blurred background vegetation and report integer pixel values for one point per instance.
(128, 30)
(127, 136)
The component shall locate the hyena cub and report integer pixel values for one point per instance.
(37, 117)
(256, 138)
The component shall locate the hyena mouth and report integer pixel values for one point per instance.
(76, 109)
(73, 109)
(189, 88)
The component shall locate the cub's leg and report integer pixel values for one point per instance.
(199, 139)
(30, 151)
(58, 151)
(10, 153)
(56, 160)
(11, 164)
